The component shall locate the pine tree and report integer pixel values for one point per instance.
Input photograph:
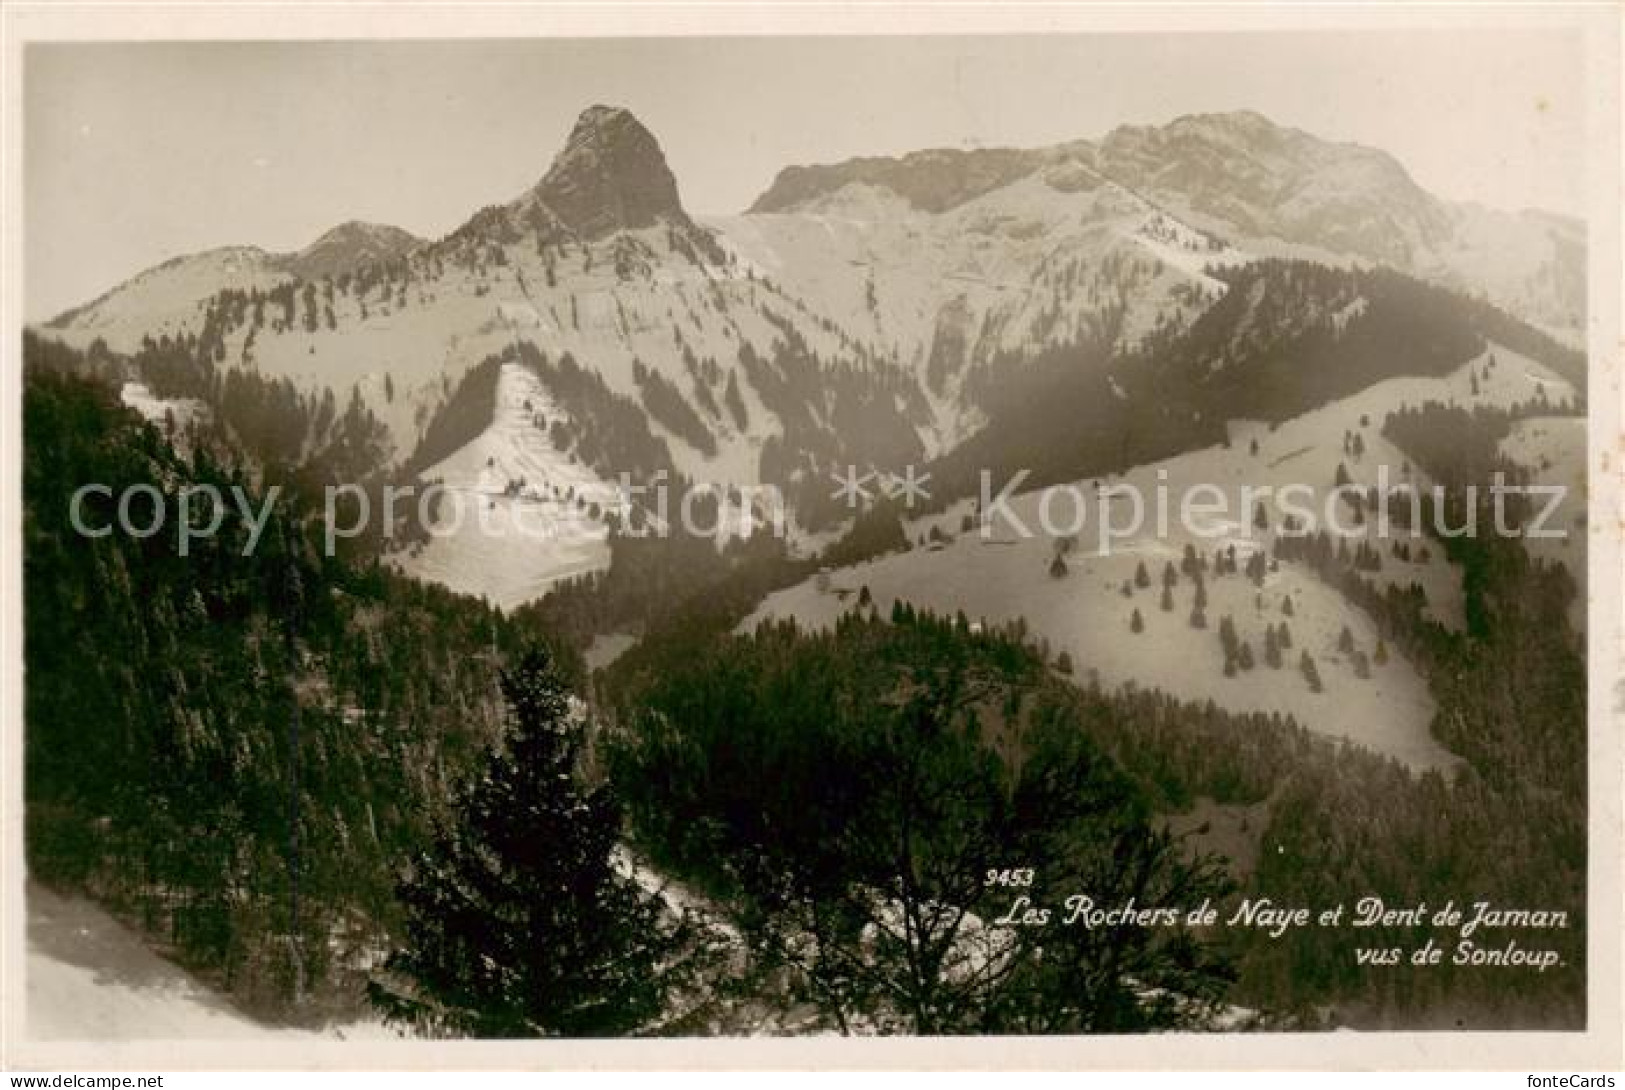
(735, 401)
(1057, 567)
(1345, 641)
(1311, 673)
(1272, 649)
(516, 922)
(865, 599)
(1167, 600)
(1286, 605)
(1142, 578)
(1136, 623)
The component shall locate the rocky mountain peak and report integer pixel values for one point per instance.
(610, 176)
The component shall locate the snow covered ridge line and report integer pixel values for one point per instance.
(1120, 513)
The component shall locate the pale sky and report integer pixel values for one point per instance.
(137, 153)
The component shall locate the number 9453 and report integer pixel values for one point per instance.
(1010, 876)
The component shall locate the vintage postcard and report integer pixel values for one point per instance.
(726, 537)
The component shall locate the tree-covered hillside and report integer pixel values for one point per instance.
(236, 750)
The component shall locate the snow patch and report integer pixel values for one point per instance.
(518, 514)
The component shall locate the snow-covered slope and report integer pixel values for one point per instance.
(179, 411)
(89, 978)
(598, 261)
(1006, 575)
(517, 514)
(1058, 256)
(169, 299)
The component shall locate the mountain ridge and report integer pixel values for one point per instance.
(854, 328)
(340, 250)
(1234, 173)
(1259, 185)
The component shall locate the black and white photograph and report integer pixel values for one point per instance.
(744, 537)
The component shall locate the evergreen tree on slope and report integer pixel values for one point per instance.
(517, 923)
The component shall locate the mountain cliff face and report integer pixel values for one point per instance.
(1238, 166)
(1266, 180)
(611, 176)
(1265, 188)
(930, 181)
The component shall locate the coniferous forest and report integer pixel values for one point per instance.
(232, 750)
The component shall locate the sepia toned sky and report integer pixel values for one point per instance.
(137, 153)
